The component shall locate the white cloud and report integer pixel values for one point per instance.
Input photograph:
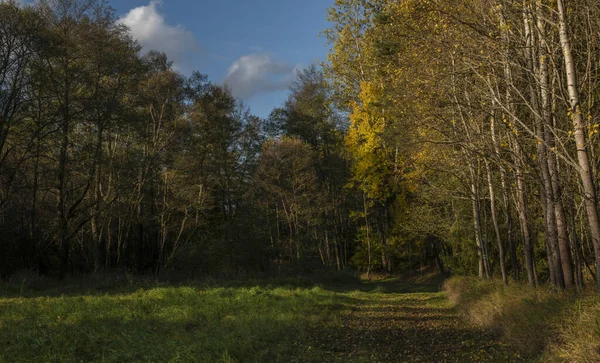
(258, 73)
(149, 27)
(19, 2)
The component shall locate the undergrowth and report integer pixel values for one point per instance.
(539, 324)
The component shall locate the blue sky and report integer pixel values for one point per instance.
(255, 46)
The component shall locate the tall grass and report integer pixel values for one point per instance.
(539, 324)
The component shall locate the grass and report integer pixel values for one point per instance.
(199, 322)
(539, 324)
(306, 319)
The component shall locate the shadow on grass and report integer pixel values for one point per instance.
(408, 339)
(123, 284)
(264, 337)
(169, 324)
(294, 319)
(390, 286)
(523, 318)
(406, 327)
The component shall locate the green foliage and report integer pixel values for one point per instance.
(301, 173)
(114, 159)
(287, 180)
(367, 254)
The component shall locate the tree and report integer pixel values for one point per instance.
(288, 181)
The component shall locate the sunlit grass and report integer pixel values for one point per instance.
(304, 319)
(163, 324)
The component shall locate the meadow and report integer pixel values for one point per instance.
(308, 319)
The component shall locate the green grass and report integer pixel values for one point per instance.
(162, 324)
(304, 319)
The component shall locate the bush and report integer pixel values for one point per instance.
(28, 279)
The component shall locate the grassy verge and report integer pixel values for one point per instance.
(537, 323)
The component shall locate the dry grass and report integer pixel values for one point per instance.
(536, 323)
(578, 333)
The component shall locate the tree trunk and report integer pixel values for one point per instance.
(521, 204)
(541, 106)
(368, 237)
(562, 227)
(477, 222)
(62, 201)
(506, 203)
(580, 127)
(495, 222)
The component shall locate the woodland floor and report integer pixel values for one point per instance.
(293, 320)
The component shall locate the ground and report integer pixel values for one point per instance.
(394, 322)
(262, 321)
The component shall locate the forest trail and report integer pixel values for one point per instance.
(273, 320)
(394, 322)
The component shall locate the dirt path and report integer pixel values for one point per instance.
(403, 326)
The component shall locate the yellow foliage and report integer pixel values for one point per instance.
(366, 125)
(372, 169)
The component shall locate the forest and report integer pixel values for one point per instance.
(474, 132)
(113, 159)
(455, 136)
(460, 135)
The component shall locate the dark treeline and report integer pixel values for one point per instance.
(113, 159)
